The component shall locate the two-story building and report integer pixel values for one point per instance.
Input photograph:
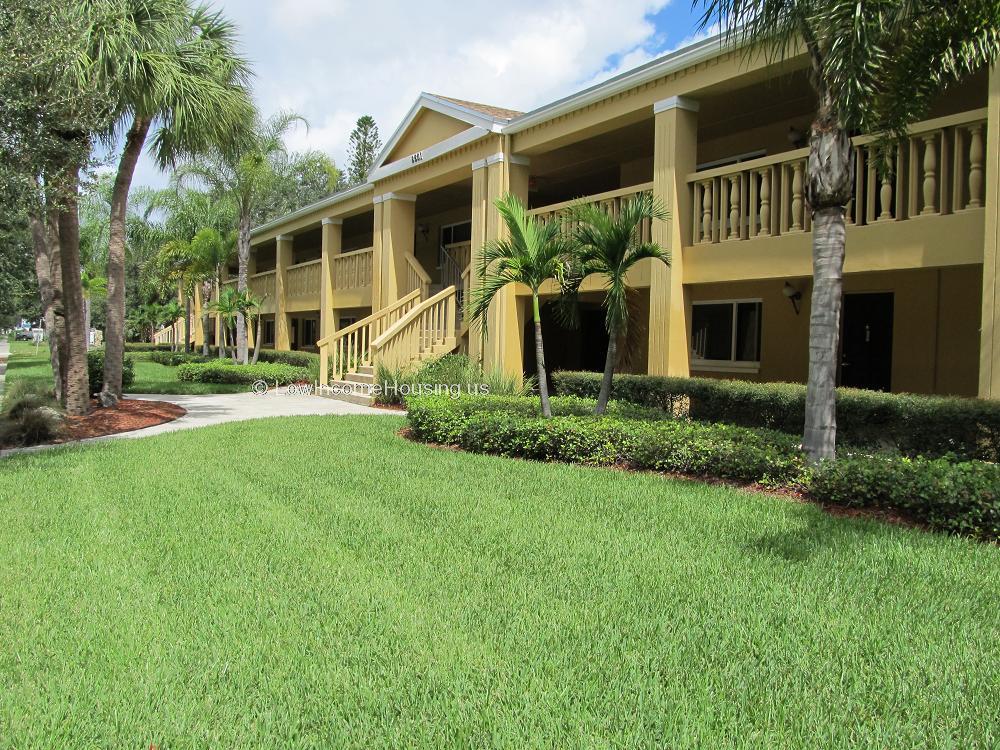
(380, 272)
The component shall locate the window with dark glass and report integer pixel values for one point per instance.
(726, 331)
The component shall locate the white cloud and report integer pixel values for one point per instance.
(333, 60)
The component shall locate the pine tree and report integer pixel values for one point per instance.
(363, 147)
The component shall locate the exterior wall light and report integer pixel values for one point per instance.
(794, 296)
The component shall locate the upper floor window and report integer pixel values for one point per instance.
(725, 335)
(454, 234)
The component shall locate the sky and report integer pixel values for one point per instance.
(335, 60)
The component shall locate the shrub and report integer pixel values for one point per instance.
(297, 359)
(451, 370)
(960, 498)
(95, 370)
(173, 359)
(221, 371)
(28, 391)
(30, 425)
(914, 425)
(512, 427)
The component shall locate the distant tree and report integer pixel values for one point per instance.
(362, 149)
(301, 179)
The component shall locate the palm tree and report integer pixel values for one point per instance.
(95, 287)
(212, 251)
(533, 253)
(169, 313)
(246, 175)
(610, 245)
(228, 307)
(174, 65)
(250, 307)
(874, 67)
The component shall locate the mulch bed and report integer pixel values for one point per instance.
(126, 416)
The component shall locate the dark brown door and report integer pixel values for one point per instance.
(866, 348)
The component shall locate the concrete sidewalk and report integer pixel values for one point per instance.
(203, 411)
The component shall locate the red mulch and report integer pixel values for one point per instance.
(127, 415)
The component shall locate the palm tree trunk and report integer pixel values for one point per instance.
(609, 372)
(243, 251)
(114, 328)
(543, 384)
(187, 323)
(43, 272)
(256, 340)
(831, 177)
(76, 394)
(57, 336)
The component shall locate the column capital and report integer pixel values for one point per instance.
(676, 102)
(284, 238)
(335, 222)
(499, 158)
(408, 197)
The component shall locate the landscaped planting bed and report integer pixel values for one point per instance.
(221, 371)
(957, 497)
(913, 425)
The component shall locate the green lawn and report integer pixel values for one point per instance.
(150, 377)
(322, 582)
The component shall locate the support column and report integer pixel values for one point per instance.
(332, 245)
(492, 178)
(199, 324)
(282, 320)
(989, 346)
(395, 223)
(674, 157)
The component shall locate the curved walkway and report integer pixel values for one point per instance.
(203, 411)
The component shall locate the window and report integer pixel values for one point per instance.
(726, 335)
(455, 233)
(268, 333)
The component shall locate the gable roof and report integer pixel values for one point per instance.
(476, 115)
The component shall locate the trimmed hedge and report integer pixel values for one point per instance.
(139, 346)
(931, 426)
(511, 427)
(960, 498)
(221, 371)
(95, 370)
(173, 359)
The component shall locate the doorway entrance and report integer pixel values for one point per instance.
(866, 348)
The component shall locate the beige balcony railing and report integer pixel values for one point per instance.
(610, 201)
(303, 279)
(416, 278)
(938, 169)
(262, 285)
(352, 270)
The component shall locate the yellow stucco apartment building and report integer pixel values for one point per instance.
(380, 272)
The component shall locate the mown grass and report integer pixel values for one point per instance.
(150, 377)
(322, 582)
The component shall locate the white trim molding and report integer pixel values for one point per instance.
(332, 221)
(676, 102)
(478, 164)
(408, 197)
(431, 152)
(285, 238)
(499, 158)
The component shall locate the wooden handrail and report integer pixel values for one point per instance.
(402, 322)
(353, 252)
(418, 269)
(370, 319)
(303, 264)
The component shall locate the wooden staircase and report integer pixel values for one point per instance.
(407, 332)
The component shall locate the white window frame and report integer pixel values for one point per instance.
(727, 365)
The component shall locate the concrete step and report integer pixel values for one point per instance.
(349, 391)
(366, 370)
(360, 377)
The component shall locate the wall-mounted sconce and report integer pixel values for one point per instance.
(425, 231)
(794, 296)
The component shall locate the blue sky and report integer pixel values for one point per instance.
(335, 60)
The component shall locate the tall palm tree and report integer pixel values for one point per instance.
(174, 65)
(170, 313)
(875, 66)
(212, 251)
(531, 254)
(610, 245)
(247, 175)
